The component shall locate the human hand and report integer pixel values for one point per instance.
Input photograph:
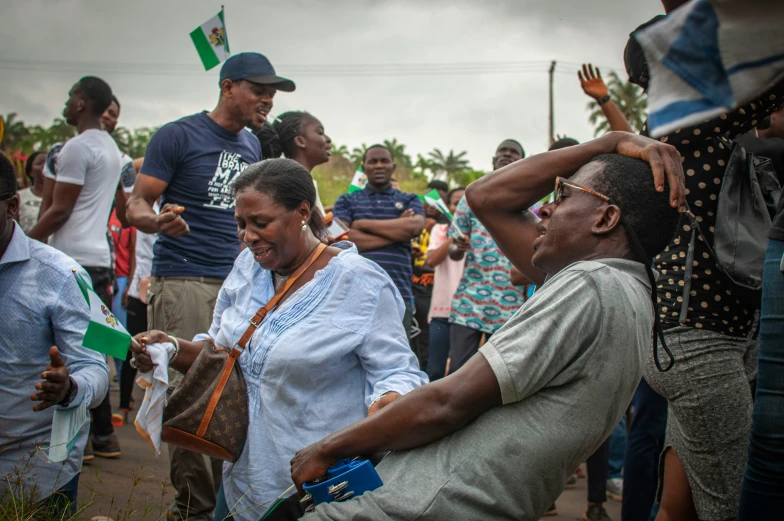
(408, 212)
(382, 402)
(591, 82)
(665, 160)
(309, 463)
(142, 358)
(56, 384)
(461, 244)
(169, 221)
(124, 299)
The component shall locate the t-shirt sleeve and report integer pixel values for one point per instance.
(549, 333)
(415, 204)
(461, 220)
(73, 162)
(342, 210)
(163, 153)
(127, 174)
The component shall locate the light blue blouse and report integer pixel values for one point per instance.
(313, 367)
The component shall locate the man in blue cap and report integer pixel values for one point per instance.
(191, 163)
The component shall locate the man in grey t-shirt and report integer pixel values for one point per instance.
(498, 438)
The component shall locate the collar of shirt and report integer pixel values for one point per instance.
(369, 190)
(18, 249)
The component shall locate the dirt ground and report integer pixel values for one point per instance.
(136, 485)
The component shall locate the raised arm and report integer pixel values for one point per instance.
(501, 200)
(593, 85)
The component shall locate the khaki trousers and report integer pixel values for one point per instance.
(182, 307)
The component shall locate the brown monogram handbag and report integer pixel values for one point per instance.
(208, 412)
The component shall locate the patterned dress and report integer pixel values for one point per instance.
(485, 298)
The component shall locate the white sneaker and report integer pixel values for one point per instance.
(615, 489)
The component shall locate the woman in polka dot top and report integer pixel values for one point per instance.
(708, 392)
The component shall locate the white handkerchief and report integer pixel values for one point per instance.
(66, 425)
(149, 419)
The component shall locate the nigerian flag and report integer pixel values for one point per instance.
(358, 182)
(211, 41)
(104, 333)
(433, 198)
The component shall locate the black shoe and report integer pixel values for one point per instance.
(108, 447)
(596, 513)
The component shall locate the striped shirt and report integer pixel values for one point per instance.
(388, 204)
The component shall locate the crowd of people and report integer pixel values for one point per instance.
(567, 309)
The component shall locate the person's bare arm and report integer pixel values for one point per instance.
(517, 278)
(439, 255)
(366, 241)
(48, 196)
(120, 202)
(500, 200)
(593, 85)
(141, 215)
(420, 417)
(401, 229)
(131, 267)
(63, 201)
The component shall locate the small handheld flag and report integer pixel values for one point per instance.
(104, 333)
(211, 41)
(358, 182)
(433, 198)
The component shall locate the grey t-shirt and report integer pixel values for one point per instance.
(567, 363)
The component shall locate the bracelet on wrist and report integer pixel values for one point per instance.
(604, 99)
(176, 343)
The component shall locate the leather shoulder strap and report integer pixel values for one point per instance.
(255, 320)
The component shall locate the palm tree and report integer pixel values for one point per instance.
(358, 154)
(398, 151)
(134, 142)
(15, 132)
(340, 151)
(446, 166)
(630, 99)
(421, 166)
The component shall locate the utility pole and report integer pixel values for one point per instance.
(552, 131)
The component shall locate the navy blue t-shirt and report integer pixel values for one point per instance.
(389, 204)
(199, 160)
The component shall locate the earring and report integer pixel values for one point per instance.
(304, 226)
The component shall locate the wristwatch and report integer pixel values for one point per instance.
(604, 99)
(73, 390)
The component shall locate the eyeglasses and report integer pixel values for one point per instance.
(560, 182)
(7, 195)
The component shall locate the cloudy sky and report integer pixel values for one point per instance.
(370, 70)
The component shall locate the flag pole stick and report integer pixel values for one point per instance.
(225, 32)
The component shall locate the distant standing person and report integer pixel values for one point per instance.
(383, 221)
(191, 163)
(485, 298)
(31, 197)
(301, 137)
(88, 172)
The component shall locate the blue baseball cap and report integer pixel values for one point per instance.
(256, 68)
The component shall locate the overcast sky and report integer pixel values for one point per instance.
(143, 49)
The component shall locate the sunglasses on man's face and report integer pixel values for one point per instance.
(560, 183)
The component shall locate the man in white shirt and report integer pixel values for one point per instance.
(88, 172)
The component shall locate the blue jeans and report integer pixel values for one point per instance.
(617, 450)
(643, 447)
(120, 314)
(762, 495)
(439, 348)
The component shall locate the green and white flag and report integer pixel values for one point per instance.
(358, 182)
(433, 198)
(211, 41)
(104, 333)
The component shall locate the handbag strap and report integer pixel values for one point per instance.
(255, 320)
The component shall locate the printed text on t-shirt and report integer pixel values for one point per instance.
(220, 190)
